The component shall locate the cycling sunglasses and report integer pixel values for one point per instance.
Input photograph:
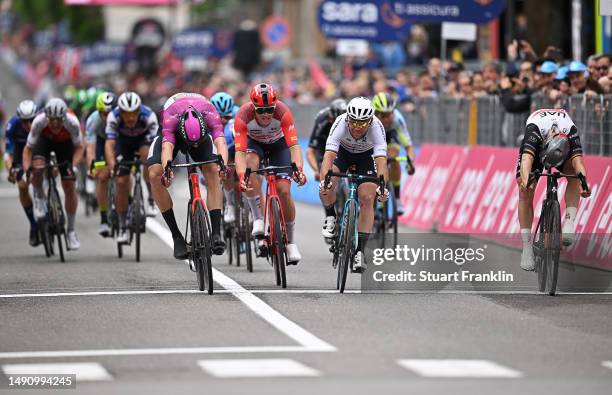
(227, 118)
(265, 110)
(359, 124)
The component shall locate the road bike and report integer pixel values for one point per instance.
(344, 244)
(136, 219)
(238, 233)
(547, 238)
(54, 223)
(275, 238)
(198, 220)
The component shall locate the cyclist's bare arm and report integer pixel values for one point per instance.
(526, 165)
(109, 153)
(77, 156)
(578, 165)
(381, 167)
(312, 159)
(166, 154)
(296, 155)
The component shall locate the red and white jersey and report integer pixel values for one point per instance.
(281, 126)
(71, 130)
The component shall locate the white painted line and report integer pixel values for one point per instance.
(151, 351)
(258, 306)
(85, 371)
(607, 364)
(273, 367)
(457, 368)
(269, 291)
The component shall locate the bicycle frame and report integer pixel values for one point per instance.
(272, 194)
(351, 199)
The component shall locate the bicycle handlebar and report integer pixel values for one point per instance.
(536, 174)
(355, 177)
(272, 170)
(218, 160)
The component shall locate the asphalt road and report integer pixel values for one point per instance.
(142, 328)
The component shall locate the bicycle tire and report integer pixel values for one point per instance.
(201, 249)
(553, 248)
(246, 234)
(236, 235)
(57, 218)
(347, 241)
(539, 250)
(137, 217)
(277, 241)
(43, 229)
(394, 216)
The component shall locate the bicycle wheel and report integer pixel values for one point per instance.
(347, 243)
(392, 212)
(201, 249)
(138, 215)
(57, 218)
(229, 236)
(553, 247)
(236, 234)
(277, 242)
(380, 220)
(245, 235)
(45, 237)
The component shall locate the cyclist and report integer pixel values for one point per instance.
(397, 136)
(551, 137)
(227, 109)
(191, 125)
(264, 128)
(17, 131)
(57, 130)
(95, 128)
(130, 128)
(357, 139)
(323, 123)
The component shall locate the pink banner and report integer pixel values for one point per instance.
(425, 194)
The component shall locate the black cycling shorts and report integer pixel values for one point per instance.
(126, 147)
(277, 153)
(363, 162)
(202, 153)
(63, 151)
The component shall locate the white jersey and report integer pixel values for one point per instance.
(544, 119)
(339, 136)
(71, 130)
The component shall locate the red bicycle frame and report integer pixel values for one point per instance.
(272, 194)
(194, 188)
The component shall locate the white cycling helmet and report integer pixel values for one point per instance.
(360, 109)
(129, 102)
(56, 108)
(26, 109)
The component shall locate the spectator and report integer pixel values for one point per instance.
(516, 99)
(434, 68)
(603, 66)
(491, 72)
(426, 86)
(579, 82)
(478, 86)
(592, 64)
(544, 77)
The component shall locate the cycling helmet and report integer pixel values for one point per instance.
(337, 107)
(383, 102)
(129, 102)
(56, 108)
(192, 127)
(26, 109)
(263, 95)
(224, 103)
(360, 109)
(105, 102)
(555, 151)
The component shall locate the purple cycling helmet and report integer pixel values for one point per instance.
(192, 127)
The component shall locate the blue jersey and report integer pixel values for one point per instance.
(145, 125)
(229, 136)
(15, 134)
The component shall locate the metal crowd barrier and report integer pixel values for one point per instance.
(484, 120)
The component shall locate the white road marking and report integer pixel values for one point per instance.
(258, 306)
(267, 291)
(457, 368)
(123, 352)
(273, 367)
(85, 371)
(607, 364)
